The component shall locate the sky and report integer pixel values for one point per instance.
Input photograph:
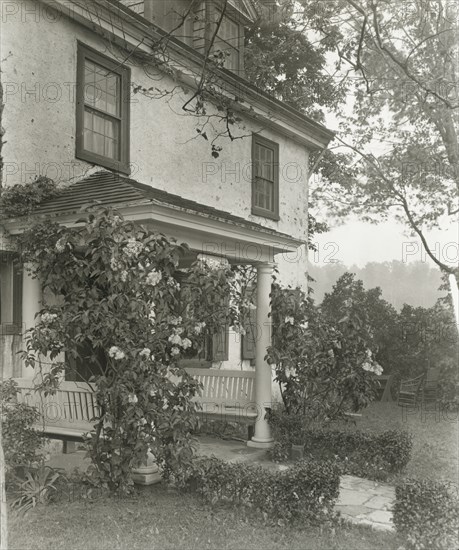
(357, 242)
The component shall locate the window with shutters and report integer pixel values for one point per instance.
(102, 117)
(195, 24)
(265, 178)
(10, 295)
(228, 40)
(214, 348)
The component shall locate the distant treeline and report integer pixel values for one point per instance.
(414, 283)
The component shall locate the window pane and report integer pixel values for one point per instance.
(101, 135)
(227, 40)
(229, 30)
(264, 191)
(102, 89)
(264, 162)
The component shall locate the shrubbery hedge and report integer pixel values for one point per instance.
(361, 453)
(305, 492)
(427, 514)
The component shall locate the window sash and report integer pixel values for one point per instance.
(265, 178)
(228, 39)
(102, 110)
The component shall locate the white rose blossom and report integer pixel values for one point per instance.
(60, 244)
(186, 343)
(175, 339)
(198, 327)
(175, 351)
(47, 318)
(132, 398)
(289, 319)
(115, 264)
(154, 277)
(146, 352)
(133, 248)
(116, 353)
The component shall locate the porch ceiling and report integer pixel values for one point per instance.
(202, 227)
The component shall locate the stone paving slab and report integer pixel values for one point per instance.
(366, 502)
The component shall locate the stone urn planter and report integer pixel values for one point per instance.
(297, 452)
(147, 474)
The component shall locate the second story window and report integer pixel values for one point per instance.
(265, 178)
(227, 41)
(102, 110)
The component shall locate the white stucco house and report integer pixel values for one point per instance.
(93, 97)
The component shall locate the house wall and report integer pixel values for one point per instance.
(166, 151)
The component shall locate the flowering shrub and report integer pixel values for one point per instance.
(323, 369)
(304, 492)
(427, 514)
(124, 316)
(21, 442)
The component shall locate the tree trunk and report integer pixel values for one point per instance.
(3, 515)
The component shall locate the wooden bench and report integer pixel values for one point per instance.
(410, 391)
(67, 414)
(70, 412)
(228, 393)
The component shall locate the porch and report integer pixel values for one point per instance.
(244, 392)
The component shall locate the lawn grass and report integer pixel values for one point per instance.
(157, 518)
(435, 438)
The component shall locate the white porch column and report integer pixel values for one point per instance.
(263, 380)
(31, 304)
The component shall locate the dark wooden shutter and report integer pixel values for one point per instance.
(220, 345)
(248, 342)
(219, 342)
(17, 294)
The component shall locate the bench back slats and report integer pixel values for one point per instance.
(231, 388)
(70, 407)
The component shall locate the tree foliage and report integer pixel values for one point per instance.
(324, 368)
(399, 59)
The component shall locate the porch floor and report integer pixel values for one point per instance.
(361, 501)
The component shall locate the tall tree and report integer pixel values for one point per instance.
(400, 60)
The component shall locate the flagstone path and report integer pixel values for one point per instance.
(366, 502)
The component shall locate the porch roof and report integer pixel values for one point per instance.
(108, 188)
(184, 219)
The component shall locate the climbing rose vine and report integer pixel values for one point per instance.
(117, 306)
